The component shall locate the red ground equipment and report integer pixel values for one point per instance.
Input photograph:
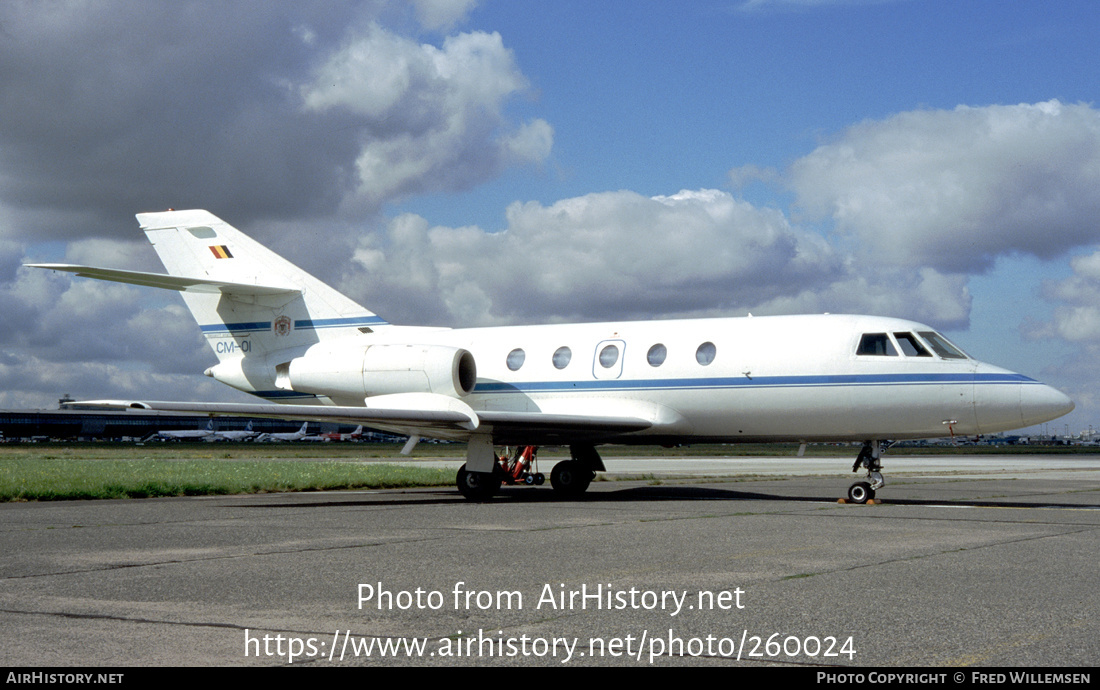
(522, 467)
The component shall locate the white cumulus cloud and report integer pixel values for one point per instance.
(1077, 316)
(610, 255)
(431, 117)
(442, 14)
(953, 190)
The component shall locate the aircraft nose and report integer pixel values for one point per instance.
(1040, 403)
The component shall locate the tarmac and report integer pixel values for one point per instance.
(749, 562)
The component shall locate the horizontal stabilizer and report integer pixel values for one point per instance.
(167, 282)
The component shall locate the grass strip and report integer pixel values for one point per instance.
(67, 479)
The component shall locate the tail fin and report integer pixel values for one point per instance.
(247, 299)
(288, 308)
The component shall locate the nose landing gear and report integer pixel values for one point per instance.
(869, 457)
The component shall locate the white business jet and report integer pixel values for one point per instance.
(284, 336)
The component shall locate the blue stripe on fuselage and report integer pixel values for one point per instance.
(743, 382)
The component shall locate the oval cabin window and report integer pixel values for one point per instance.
(656, 355)
(705, 354)
(561, 357)
(515, 359)
(608, 356)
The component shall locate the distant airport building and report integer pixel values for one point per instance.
(84, 425)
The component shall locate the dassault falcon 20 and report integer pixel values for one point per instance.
(314, 354)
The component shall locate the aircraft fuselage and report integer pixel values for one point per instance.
(780, 378)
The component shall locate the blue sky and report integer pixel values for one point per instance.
(701, 86)
(652, 96)
(918, 158)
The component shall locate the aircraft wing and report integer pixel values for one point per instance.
(424, 414)
(523, 428)
(168, 282)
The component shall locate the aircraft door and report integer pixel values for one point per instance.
(607, 362)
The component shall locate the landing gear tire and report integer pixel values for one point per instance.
(860, 493)
(477, 486)
(570, 478)
(870, 458)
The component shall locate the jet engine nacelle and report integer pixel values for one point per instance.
(361, 372)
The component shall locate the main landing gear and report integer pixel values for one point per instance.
(569, 478)
(478, 486)
(870, 457)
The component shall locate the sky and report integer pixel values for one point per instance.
(491, 162)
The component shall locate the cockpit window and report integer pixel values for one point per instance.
(910, 346)
(941, 345)
(876, 344)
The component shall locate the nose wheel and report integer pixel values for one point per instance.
(869, 457)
